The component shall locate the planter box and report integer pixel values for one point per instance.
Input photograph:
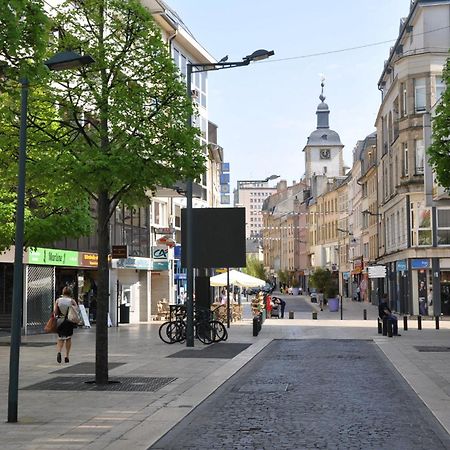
(333, 304)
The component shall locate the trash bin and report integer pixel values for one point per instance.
(333, 304)
(124, 309)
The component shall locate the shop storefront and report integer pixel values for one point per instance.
(6, 289)
(131, 284)
(47, 272)
(163, 287)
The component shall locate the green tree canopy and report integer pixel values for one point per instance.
(255, 268)
(283, 276)
(51, 211)
(23, 37)
(439, 151)
(122, 124)
(321, 279)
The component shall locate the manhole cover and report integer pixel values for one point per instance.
(125, 384)
(429, 348)
(85, 367)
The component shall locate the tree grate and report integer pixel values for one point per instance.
(29, 344)
(430, 348)
(220, 351)
(85, 367)
(119, 384)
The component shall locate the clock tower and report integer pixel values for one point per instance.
(323, 150)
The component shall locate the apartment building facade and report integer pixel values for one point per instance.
(413, 240)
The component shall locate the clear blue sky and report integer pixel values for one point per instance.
(266, 111)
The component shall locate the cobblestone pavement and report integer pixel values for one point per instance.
(308, 394)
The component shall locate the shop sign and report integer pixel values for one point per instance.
(159, 253)
(401, 266)
(346, 275)
(88, 259)
(132, 263)
(52, 257)
(160, 265)
(377, 271)
(164, 230)
(177, 252)
(119, 251)
(420, 263)
(180, 276)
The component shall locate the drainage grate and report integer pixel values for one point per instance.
(124, 384)
(29, 344)
(221, 350)
(85, 367)
(430, 348)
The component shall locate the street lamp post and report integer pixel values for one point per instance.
(257, 55)
(60, 61)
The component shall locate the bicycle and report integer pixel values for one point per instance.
(206, 331)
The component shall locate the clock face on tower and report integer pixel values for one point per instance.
(325, 153)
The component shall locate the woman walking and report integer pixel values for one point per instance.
(65, 326)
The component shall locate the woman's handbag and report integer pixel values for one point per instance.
(73, 315)
(51, 325)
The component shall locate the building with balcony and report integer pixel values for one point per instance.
(413, 241)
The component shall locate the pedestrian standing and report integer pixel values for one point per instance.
(320, 300)
(65, 326)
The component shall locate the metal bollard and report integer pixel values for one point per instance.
(405, 323)
(364, 314)
(385, 326)
(256, 325)
(389, 328)
(291, 314)
(419, 322)
(437, 322)
(314, 315)
(380, 326)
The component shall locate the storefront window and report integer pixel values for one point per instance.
(443, 227)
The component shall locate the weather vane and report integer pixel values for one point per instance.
(322, 84)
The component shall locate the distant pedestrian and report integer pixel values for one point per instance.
(279, 301)
(320, 300)
(65, 327)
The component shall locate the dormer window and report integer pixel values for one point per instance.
(324, 137)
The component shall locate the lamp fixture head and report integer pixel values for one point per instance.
(68, 60)
(259, 55)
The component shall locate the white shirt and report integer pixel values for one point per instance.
(64, 303)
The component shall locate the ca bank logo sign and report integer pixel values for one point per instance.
(159, 254)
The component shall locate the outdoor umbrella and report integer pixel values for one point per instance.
(236, 278)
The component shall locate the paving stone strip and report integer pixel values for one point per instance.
(307, 394)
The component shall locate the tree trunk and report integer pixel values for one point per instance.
(101, 348)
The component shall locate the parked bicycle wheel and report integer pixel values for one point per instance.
(204, 332)
(177, 331)
(220, 333)
(163, 333)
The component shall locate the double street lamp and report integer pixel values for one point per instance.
(192, 68)
(269, 178)
(60, 61)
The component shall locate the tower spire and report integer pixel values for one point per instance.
(322, 83)
(322, 110)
